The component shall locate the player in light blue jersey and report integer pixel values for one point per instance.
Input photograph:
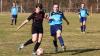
(55, 21)
(83, 13)
(14, 13)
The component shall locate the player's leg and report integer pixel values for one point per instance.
(40, 35)
(28, 42)
(84, 25)
(15, 19)
(81, 23)
(25, 44)
(55, 43)
(59, 36)
(53, 34)
(34, 39)
(12, 19)
(39, 31)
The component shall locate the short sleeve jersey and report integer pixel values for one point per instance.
(14, 10)
(83, 12)
(56, 17)
(37, 18)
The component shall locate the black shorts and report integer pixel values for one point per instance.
(37, 29)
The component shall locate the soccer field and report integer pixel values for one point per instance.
(77, 44)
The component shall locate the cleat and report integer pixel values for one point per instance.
(56, 50)
(64, 48)
(11, 24)
(83, 32)
(21, 47)
(34, 54)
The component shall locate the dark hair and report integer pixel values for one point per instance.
(83, 3)
(39, 5)
(14, 3)
(56, 4)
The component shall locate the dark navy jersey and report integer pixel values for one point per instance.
(37, 18)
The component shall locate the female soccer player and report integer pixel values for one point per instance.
(55, 21)
(14, 13)
(83, 17)
(37, 27)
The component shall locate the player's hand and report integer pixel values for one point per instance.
(67, 23)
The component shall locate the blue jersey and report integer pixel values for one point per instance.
(56, 18)
(83, 12)
(14, 10)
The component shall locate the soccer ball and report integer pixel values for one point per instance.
(39, 51)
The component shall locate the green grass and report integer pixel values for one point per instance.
(78, 44)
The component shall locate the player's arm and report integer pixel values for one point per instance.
(78, 13)
(64, 18)
(46, 17)
(50, 18)
(22, 24)
(87, 12)
(27, 20)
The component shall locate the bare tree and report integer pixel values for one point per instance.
(70, 5)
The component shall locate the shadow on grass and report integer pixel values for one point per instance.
(76, 51)
(93, 32)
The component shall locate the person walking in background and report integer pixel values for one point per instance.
(83, 13)
(14, 13)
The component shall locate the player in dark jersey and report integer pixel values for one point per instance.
(37, 27)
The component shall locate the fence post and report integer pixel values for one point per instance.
(97, 5)
(1, 6)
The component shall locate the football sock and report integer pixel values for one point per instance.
(36, 46)
(15, 21)
(84, 28)
(12, 21)
(28, 42)
(61, 41)
(55, 43)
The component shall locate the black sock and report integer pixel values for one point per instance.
(28, 42)
(36, 46)
(12, 21)
(15, 21)
(81, 28)
(55, 43)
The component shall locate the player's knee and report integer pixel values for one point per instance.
(34, 39)
(39, 39)
(58, 33)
